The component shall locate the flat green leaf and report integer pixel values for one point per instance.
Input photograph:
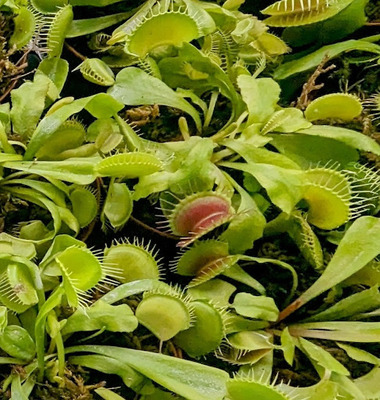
(309, 149)
(361, 332)
(107, 394)
(74, 170)
(16, 246)
(17, 390)
(322, 357)
(192, 69)
(312, 60)
(135, 87)
(254, 154)
(81, 27)
(369, 384)
(128, 289)
(28, 103)
(357, 303)
(259, 307)
(109, 365)
(56, 69)
(101, 316)
(192, 380)
(288, 346)
(247, 226)
(284, 186)
(101, 105)
(94, 3)
(359, 246)
(359, 354)
(216, 290)
(260, 95)
(352, 138)
(45, 188)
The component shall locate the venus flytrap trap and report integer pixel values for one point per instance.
(286, 13)
(187, 20)
(117, 207)
(177, 312)
(134, 261)
(97, 71)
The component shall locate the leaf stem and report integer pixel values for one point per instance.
(75, 52)
(211, 108)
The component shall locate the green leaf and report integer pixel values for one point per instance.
(191, 69)
(359, 246)
(312, 60)
(352, 138)
(284, 186)
(247, 226)
(107, 394)
(361, 332)
(128, 289)
(17, 389)
(16, 246)
(288, 346)
(94, 3)
(308, 149)
(56, 69)
(101, 105)
(81, 27)
(357, 303)
(28, 103)
(260, 95)
(195, 169)
(216, 290)
(192, 380)
(109, 365)
(35, 197)
(74, 170)
(45, 188)
(324, 389)
(322, 357)
(17, 342)
(259, 307)
(101, 316)
(253, 154)
(369, 384)
(135, 87)
(359, 354)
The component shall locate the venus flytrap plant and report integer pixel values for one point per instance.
(204, 50)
